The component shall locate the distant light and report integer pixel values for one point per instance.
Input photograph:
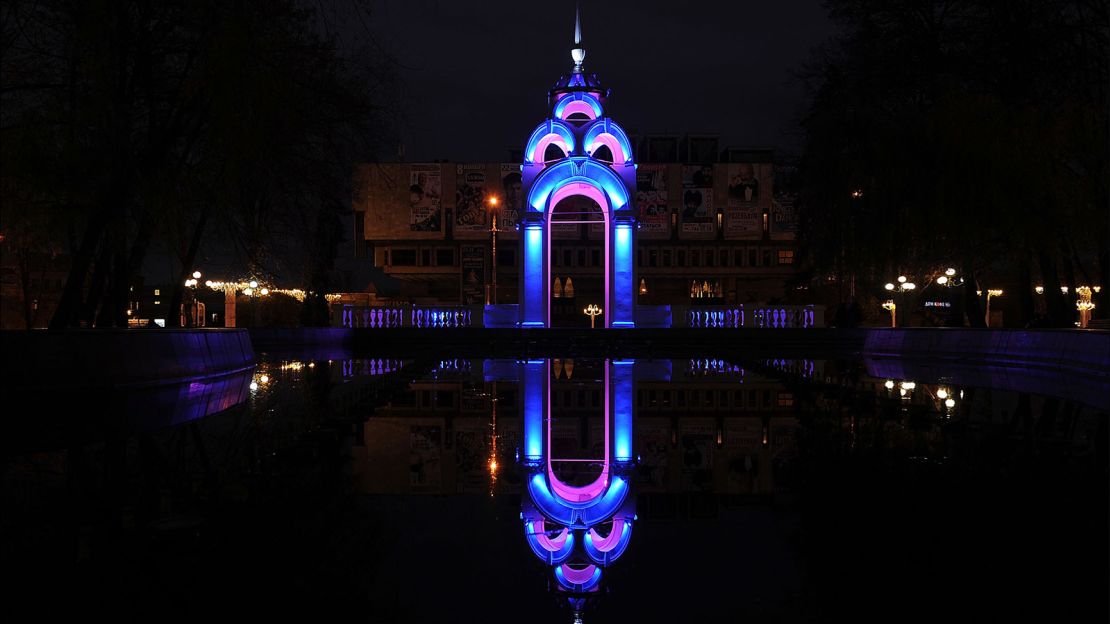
(942, 280)
(909, 286)
(889, 286)
(950, 403)
(254, 386)
(1039, 290)
(950, 272)
(889, 384)
(1064, 289)
(909, 385)
(493, 201)
(253, 284)
(901, 279)
(208, 283)
(248, 291)
(265, 291)
(942, 394)
(264, 378)
(196, 274)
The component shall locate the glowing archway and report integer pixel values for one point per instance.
(579, 173)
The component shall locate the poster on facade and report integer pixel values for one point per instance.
(784, 220)
(651, 200)
(653, 443)
(472, 265)
(425, 469)
(424, 198)
(696, 446)
(472, 475)
(697, 200)
(744, 213)
(512, 197)
(470, 198)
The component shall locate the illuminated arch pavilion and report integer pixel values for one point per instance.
(578, 151)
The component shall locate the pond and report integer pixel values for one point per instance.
(556, 488)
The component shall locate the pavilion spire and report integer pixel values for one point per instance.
(578, 53)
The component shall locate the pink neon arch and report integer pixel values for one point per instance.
(596, 194)
(594, 490)
(579, 106)
(541, 146)
(578, 577)
(549, 544)
(612, 143)
(610, 541)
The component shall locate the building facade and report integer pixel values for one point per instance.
(711, 232)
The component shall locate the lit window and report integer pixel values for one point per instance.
(786, 256)
(157, 292)
(156, 302)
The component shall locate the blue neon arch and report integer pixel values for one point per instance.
(576, 99)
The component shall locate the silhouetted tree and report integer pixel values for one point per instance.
(977, 132)
(153, 120)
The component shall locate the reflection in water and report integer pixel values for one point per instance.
(339, 478)
(579, 511)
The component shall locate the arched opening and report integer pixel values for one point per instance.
(577, 253)
(553, 151)
(603, 154)
(578, 430)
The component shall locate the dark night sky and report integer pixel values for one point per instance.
(475, 74)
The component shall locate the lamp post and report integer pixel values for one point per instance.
(991, 292)
(903, 285)
(192, 285)
(592, 311)
(891, 307)
(493, 202)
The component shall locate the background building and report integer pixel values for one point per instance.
(715, 226)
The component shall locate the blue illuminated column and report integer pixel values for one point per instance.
(532, 384)
(620, 391)
(622, 298)
(533, 303)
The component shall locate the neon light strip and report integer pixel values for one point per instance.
(590, 190)
(578, 577)
(537, 153)
(619, 154)
(594, 490)
(578, 106)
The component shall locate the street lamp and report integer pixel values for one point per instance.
(493, 202)
(900, 288)
(891, 307)
(991, 292)
(592, 311)
(192, 285)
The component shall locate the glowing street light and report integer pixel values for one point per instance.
(891, 307)
(493, 201)
(253, 284)
(900, 288)
(991, 292)
(592, 311)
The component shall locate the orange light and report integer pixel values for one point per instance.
(492, 200)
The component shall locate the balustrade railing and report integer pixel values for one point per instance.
(747, 315)
(429, 316)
